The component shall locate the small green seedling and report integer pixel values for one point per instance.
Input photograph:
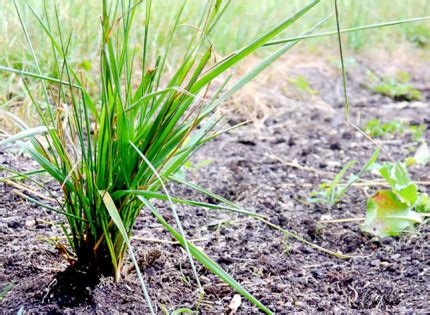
(331, 192)
(375, 128)
(417, 132)
(398, 88)
(5, 290)
(391, 212)
(195, 167)
(179, 311)
(423, 203)
(388, 216)
(303, 85)
(286, 248)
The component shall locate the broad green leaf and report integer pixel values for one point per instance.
(397, 176)
(388, 216)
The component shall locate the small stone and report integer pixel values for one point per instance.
(375, 240)
(30, 223)
(375, 263)
(384, 264)
(333, 164)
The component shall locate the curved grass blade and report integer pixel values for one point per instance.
(48, 207)
(205, 260)
(262, 219)
(151, 194)
(347, 30)
(37, 76)
(116, 218)
(28, 133)
(265, 63)
(175, 214)
(242, 53)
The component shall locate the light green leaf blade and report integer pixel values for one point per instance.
(205, 260)
(182, 310)
(27, 133)
(116, 218)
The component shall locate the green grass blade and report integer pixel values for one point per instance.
(113, 212)
(36, 76)
(347, 30)
(264, 64)
(50, 208)
(28, 133)
(175, 214)
(205, 260)
(151, 194)
(242, 53)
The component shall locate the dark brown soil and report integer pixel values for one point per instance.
(390, 274)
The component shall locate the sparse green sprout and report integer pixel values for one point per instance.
(286, 248)
(302, 85)
(418, 132)
(375, 128)
(5, 290)
(331, 192)
(178, 311)
(398, 91)
(423, 203)
(194, 168)
(403, 77)
(398, 88)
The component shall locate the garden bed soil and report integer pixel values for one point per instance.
(270, 167)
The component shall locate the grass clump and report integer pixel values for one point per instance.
(112, 154)
(375, 128)
(398, 88)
